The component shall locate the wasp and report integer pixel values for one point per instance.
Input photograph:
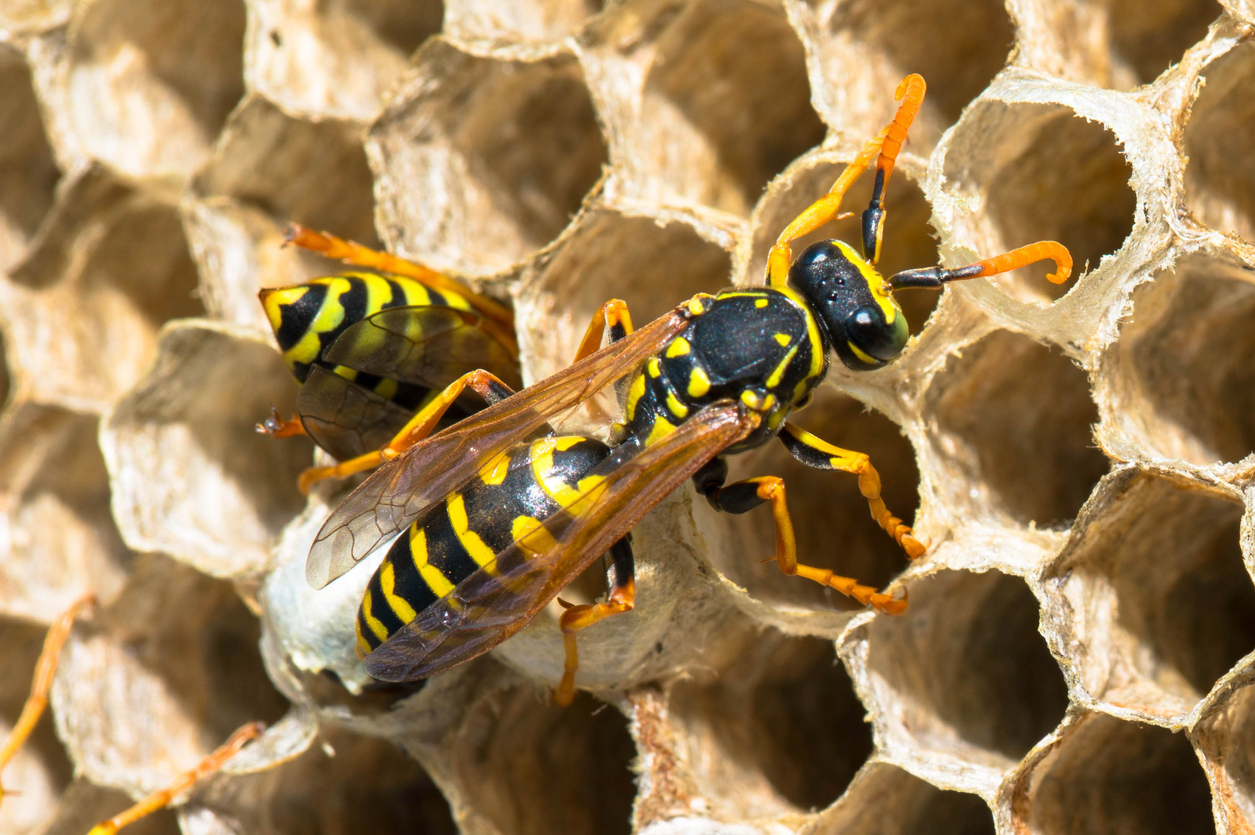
(498, 513)
(371, 348)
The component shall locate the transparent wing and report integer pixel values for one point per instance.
(495, 602)
(427, 345)
(402, 489)
(344, 418)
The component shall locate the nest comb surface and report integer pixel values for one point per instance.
(1078, 653)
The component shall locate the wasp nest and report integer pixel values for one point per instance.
(1077, 656)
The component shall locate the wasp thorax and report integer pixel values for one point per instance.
(861, 321)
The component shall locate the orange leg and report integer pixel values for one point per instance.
(45, 669)
(621, 599)
(612, 316)
(771, 489)
(162, 798)
(349, 252)
(419, 427)
(911, 92)
(277, 427)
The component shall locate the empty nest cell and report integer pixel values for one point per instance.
(504, 150)
(150, 83)
(782, 724)
(1147, 38)
(831, 520)
(28, 171)
(1039, 172)
(1220, 172)
(885, 800)
(908, 241)
(1161, 603)
(715, 126)
(1184, 360)
(1016, 417)
(1114, 777)
(1223, 739)
(969, 669)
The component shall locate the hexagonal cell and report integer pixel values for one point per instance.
(529, 767)
(59, 540)
(831, 519)
(190, 475)
(713, 127)
(780, 729)
(149, 84)
(28, 171)
(866, 48)
(1014, 418)
(908, 240)
(182, 646)
(1147, 38)
(335, 59)
(1182, 359)
(1033, 172)
(1110, 776)
(652, 264)
(966, 665)
(504, 150)
(885, 800)
(83, 310)
(1158, 602)
(1222, 737)
(517, 20)
(1220, 173)
(40, 771)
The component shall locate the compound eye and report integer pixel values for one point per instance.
(868, 330)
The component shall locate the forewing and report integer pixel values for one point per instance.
(344, 418)
(427, 345)
(404, 488)
(494, 603)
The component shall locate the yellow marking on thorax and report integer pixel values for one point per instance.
(432, 576)
(496, 470)
(761, 303)
(399, 605)
(483, 555)
(678, 348)
(654, 367)
(373, 623)
(812, 332)
(676, 407)
(699, 382)
(778, 374)
(661, 429)
(531, 536)
(782, 339)
(635, 392)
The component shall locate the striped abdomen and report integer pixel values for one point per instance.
(465, 532)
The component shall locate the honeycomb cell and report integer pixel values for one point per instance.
(885, 800)
(1159, 601)
(867, 47)
(831, 519)
(40, 772)
(84, 309)
(782, 724)
(972, 675)
(1182, 359)
(715, 127)
(483, 161)
(150, 83)
(908, 241)
(1110, 776)
(511, 20)
(1220, 172)
(1014, 418)
(1222, 740)
(532, 768)
(28, 171)
(1147, 38)
(58, 540)
(652, 264)
(335, 59)
(1039, 172)
(190, 475)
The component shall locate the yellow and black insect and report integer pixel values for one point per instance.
(372, 348)
(499, 512)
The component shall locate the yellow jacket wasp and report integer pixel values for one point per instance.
(498, 513)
